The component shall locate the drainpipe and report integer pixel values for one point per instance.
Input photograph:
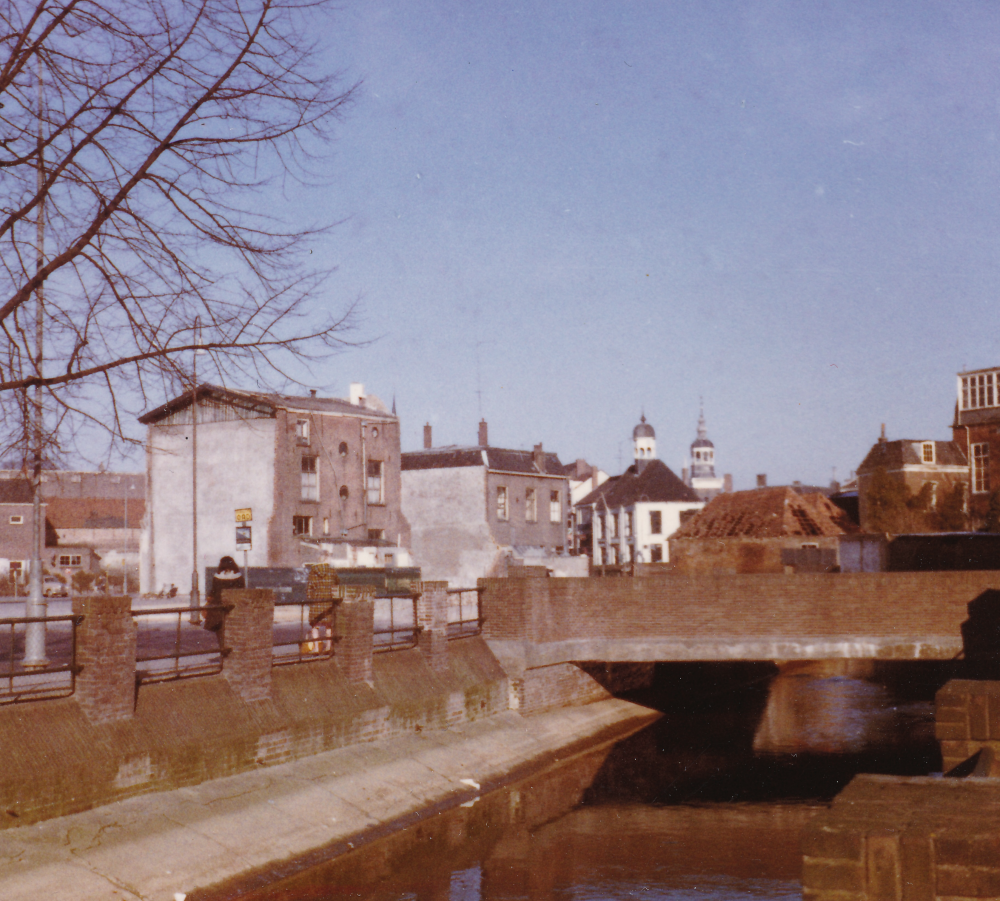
(364, 477)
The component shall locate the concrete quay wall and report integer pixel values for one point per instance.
(218, 839)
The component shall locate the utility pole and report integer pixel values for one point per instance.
(34, 638)
(195, 602)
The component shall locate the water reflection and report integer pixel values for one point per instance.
(708, 802)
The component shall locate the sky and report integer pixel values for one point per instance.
(560, 216)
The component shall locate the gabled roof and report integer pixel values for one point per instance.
(892, 455)
(767, 513)
(266, 405)
(497, 459)
(655, 484)
(94, 512)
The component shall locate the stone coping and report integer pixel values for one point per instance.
(163, 846)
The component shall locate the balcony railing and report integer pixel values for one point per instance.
(57, 678)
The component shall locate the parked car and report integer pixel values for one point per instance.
(54, 588)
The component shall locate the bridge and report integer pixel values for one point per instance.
(534, 623)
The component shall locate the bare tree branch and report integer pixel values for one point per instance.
(150, 135)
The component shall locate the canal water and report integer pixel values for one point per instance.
(709, 802)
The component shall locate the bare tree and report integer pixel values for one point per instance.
(144, 145)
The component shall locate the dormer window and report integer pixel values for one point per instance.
(928, 452)
(980, 390)
(302, 432)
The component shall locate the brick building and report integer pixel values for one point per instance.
(473, 507)
(976, 433)
(753, 531)
(319, 475)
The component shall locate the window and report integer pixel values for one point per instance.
(70, 560)
(978, 390)
(628, 525)
(16, 569)
(656, 522)
(326, 525)
(342, 450)
(656, 554)
(374, 484)
(602, 527)
(928, 452)
(530, 505)
(980, 468)
(302, 525)
(613, 524)
(310, 479)
(376, 534)
(17, 520)
(302, 432)
(375, 432)
(555, 507)
(502, 502)
(344, 493)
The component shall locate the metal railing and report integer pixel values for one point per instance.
(169, 646)
(57, 678)
(309, 635)
(395, 623)
(464, 617)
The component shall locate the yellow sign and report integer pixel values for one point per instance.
(244, 515)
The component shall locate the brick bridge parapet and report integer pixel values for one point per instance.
(533, 621)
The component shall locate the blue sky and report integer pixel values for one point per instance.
(560, 215)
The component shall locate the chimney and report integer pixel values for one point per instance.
(881, 438)
(762, 480)
(727, 483)
(357, 394)
(312, 392)
(427, 436)
(685, 476)
(483, 436)
(539, 457)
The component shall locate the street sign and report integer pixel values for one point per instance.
(244, 541)
(244, 514)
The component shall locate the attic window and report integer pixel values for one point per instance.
(928, 452)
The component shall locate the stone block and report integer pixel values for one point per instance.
(832, 876)
(968, 881)
(833, 844)
(979, 729)
(883, 873)
(917, 862)
(970, 851)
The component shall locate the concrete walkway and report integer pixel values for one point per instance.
(164, 846)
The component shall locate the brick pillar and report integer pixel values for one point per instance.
(105, 651)
(356, 618)
(248, 636)
(432, 621)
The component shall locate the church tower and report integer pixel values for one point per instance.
(703, 478)
(644, 443)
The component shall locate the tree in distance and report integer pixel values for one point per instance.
(143, 148)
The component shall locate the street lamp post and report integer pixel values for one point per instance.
(195, 602)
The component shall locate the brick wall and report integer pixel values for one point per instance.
(432, 622)
(967, 718)
(356, 620)
(905, 839)
(105, 685)
(248, 636)
(875, 605)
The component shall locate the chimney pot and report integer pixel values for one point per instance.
(427, 436)
(762, 480)
(483, 434)
(312, 392)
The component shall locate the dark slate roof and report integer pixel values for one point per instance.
(893, 455)
(643, 429)
(498, 459)
(701, 442)
(15, 491)
(655, 484)
(767, 513)
(265, 404)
